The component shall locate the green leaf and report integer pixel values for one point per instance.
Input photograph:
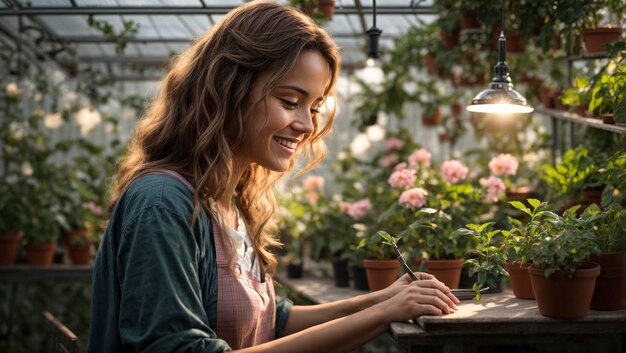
(534, 202)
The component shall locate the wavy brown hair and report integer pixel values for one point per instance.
(197, 120)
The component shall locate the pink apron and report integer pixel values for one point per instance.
(246, 307)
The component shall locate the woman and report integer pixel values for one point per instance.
(185, 264)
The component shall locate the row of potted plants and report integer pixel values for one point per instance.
(558, 260)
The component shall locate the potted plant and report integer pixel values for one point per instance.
(610, 289)
(508, 250)
(601, 24)
(579, 173)
(321, 11)
(12, 219)
(608, 88)
(41, 231)
(379, 261)
(563, 279)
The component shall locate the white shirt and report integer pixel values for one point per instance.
(243, 244)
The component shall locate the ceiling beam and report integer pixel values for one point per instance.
(188, 10)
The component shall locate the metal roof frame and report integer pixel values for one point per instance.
(351, 15)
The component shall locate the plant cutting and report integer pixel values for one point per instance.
(487, 258)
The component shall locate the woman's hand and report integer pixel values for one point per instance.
(402, 282)
(422, 297)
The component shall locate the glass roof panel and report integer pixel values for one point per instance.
(147, 27)
(340, 25)
(70, 25)
(88, 50)
(197, 25)
(160, 3)
(153, 49)
(35, 3)
(232, 3)
(170, 27)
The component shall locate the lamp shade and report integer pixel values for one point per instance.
(499, 98)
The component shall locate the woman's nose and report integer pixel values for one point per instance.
(304, 122)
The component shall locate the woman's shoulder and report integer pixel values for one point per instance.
(158, 190)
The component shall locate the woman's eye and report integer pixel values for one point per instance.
(288, 104)
(315, 111)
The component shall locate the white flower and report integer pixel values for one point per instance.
(53, 120)
(109, 128)
(58, 76)
(38, 97)
(27, 169)
(87, 118)
(11, 179)
(375, 133)
(13, 91)
(38, 113)
(17, 130)
(128, 113)
(300, 226)
(360, 144)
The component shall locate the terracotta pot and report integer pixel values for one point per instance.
(447, 271)
(520, 194)
(80, 254)
(70, 235)
(450, 40)
(340, 271)
(469, 20)
(455, 109)
(545, 96)
(515, 43)
(560, 296)
(9, 244)
(610, 290)
(327, 7)
(40, 254)
(432, 120)
(381, 273)
(592, 196)
(360, 278)
(520, 280)
(608, 119)
(596, 38)
(430, 64)
(294, 270)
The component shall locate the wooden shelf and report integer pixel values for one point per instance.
(577, 119)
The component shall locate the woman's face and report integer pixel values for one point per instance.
(290, 109)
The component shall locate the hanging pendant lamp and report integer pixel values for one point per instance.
(372, 44)
(500, 97)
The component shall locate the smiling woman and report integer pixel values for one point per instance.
(185, 262)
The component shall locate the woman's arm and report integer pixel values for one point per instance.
(302, 317)
(424, 297)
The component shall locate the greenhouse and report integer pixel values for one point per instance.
(312, 176)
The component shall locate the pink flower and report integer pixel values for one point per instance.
(413, 198)
(389, 160)
(495, 187)
(314, 182)
(402, 179)
(503, 163)
(312, 197)
(344, 207)
(421, 157)
(394, 143)
(360, 209)
(453, 171)
(93, 208)
(399, 166)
